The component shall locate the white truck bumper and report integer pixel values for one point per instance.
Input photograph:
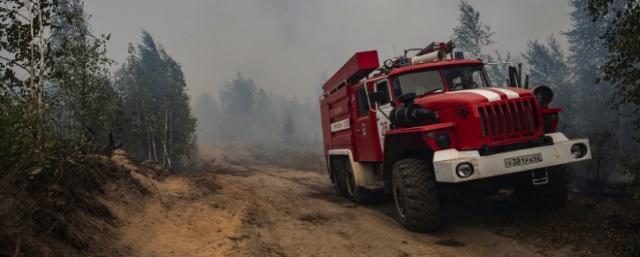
(445, 162)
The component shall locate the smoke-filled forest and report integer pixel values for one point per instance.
(90, 139)
(243, 112)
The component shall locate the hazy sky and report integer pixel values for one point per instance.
(286, 45)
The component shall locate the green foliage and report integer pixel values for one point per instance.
(66, 78)
(620, 27)
(622, 68)
(16, 138)
(25, 58)
(85, 106)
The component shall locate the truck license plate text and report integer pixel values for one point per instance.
(523, 160)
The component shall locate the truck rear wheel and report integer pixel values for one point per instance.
(415, 195)
(359, 194)
(550, 196)
(338, 167)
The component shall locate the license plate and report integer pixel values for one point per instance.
(523, 160)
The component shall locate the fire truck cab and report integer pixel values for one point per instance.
(431, 127)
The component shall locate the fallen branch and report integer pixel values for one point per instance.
(17, 252)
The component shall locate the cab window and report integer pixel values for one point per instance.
(465, 77)
(363, 105)
(382, 86)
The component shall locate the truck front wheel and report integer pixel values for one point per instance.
(415, 195)
(550, 196)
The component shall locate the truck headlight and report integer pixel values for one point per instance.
(578, 150)
(464, 170)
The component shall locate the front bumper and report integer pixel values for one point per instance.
(446, 161)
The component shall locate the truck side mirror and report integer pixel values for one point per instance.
(514, 79)
(407, 98)
(379, 97)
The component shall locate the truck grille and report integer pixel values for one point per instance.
(509, 119)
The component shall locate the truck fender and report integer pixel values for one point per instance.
(364, 173)
(400, 146)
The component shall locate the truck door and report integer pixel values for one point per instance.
(365, 127)
(383, 110)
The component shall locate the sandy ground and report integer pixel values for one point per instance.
(265, 211)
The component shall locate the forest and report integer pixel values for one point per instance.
(63, 99)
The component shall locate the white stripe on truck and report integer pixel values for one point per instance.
(490, 95)
(510, 93)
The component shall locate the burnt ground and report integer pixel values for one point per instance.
(236, 205)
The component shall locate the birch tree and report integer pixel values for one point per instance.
(25, 58)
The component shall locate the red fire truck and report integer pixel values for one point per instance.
(430, 127)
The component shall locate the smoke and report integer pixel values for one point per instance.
(284, 45)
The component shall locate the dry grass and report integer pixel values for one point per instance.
(243, 156)
(52, 209)
(298, 158)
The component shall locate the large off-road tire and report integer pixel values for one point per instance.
(340, 179)
(415, 195)
(550, 196)
(358, 194)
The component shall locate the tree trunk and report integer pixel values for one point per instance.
(40, 82)
(155, 150)
(153, 153)
(32, 75)
(170, 145)
(166, 159)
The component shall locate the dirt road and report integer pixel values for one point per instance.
(265, 211)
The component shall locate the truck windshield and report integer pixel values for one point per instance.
(422, 82)
(430, 81)
(465, 77)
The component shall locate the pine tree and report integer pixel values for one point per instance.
(157, 106)
(497, 68)
(238, 104)
(593, 116)
(547, 66)
(471, 34)
(586, 61)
